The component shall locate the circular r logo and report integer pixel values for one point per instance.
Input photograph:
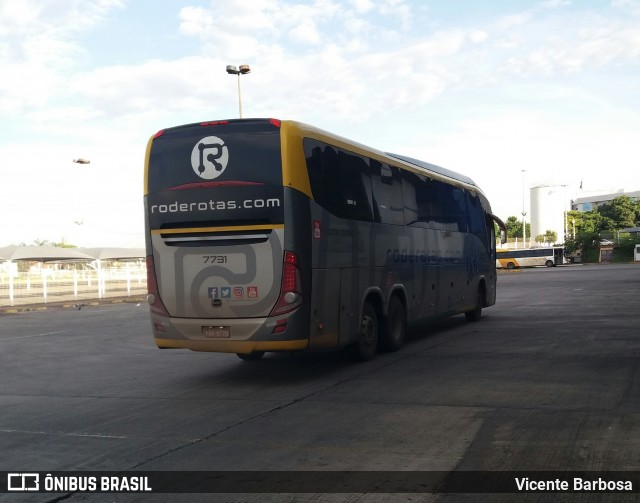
(209, 157)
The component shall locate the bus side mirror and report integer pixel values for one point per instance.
(502, 227)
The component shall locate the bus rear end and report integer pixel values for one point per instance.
(220, 276)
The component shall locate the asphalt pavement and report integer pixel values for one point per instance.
(546, 381)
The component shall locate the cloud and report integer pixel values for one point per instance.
(353, 60)
(466, 94)
(38, 47)
(279, 22)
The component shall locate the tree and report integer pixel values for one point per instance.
(589, 228)
(620, 213)
(548, 237)
(584, 222)
(46, 242)
(514, 228)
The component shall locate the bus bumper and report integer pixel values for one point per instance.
(245, 335)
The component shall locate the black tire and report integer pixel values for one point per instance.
(395, 326)
(476, 313)
(549, 263)
(364, 349)
(251, 357)
(511, 265)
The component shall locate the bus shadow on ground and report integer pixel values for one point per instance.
(278, 369)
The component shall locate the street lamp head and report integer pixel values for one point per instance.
(81, 161)
(243, 70)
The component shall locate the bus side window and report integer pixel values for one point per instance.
(386, 184)
(355, 184)
(420, 199)
(409, 198)
(340, 181)
(321, 162)
(478, 225)
(459, 209)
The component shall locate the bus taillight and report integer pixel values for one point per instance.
(153, 297)
(290, 296)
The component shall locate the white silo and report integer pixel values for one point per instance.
(547, 210)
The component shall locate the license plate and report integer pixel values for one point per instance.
(216, 332)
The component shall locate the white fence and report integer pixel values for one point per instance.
(41, 284)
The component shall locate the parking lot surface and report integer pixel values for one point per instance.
(547, 380)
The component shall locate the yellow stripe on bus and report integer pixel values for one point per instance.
(233, 346)
(504, 262)
(189, 230)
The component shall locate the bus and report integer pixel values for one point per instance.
(265, 235)
(530, 257)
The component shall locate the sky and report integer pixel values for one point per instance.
(511, 93)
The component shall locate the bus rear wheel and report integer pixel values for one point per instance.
(395, 325)
(251, 357)
(364, 349)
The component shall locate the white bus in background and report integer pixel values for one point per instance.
(531, 257)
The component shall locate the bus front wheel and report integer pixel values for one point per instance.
(476, 313)
(364, 349)
(395, 325)
(251, 357)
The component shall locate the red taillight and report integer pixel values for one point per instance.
(153, 297)
(290, 288)
(280, 328)
(289, 272)
(275, 122)
(158, 134)
(214, 123)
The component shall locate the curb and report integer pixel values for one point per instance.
(77, 305)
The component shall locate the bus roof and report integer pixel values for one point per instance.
(350, 144)
(432, 167)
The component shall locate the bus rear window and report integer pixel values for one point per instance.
(216, 154)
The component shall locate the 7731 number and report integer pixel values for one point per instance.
(214, 259)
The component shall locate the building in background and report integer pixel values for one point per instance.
(589, 203)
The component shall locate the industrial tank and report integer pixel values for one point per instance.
(547, 210)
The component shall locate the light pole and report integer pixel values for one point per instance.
(79, 221)
(232, 70)
(566, 214)
(524, 214)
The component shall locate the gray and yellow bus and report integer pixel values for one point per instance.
(265, 235)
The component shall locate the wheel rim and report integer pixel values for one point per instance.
(368, 333)
(396, 326)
